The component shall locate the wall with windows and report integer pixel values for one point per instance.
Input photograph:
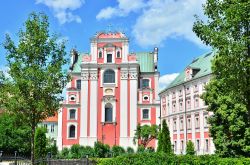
(187, 117)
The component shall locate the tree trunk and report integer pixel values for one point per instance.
(33, 144)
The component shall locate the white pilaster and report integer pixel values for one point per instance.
(93, 50)
(125, 52)
(124, 107)
(84, 108)
(133, 100)
(93, 104)
(59, 130)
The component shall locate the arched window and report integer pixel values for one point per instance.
(118, 54)
(72, 131)
(109, 76)
(108, 112)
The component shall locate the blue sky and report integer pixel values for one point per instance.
(166, 24)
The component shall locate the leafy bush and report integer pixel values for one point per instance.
(101, 150)
(64, 153)
(87, 151)
(40, 143)
(117, 151)
(165, 159)
(130, 150)
(150, 149)
(140, 149)
(75, 151)
(190, 148)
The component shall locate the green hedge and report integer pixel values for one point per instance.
(163, 159)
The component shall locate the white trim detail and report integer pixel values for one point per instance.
(68, 126)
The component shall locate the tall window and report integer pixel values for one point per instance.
(145, 83)
(181, 125)
(205, 121)
(189, 123)
(197, 122)
(198, 145)
(72, 114)
(180, 106)
(206, 145)
(52, 128)
(118, 54)
(108, 112)
(174, 125)
(109, 58)
(196, 102)
(109, 76)
(145, 114)
(72, 131)
(78, 84)
(100, 54)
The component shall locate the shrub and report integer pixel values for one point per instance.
(40, 143)
(64, 153)
(87, 151)
(75, 151)
(117, 151)
(150, 149)
(163, 158)
(190, 148)
(101, 150)
(52, 148)
(130, 150)
(140, 149)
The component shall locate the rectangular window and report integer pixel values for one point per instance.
(189, 123)
(196, 103)
(78, 84)
(181, 125)
(174, 107)
(145, 83)
(205, 121)
(174, 125)
(175, 146)
(182, 146)
(188, 104)
(180, 106)
(198, 145)
(197, 122)
(206, 145)
(145, 114)
(72, 114)
(52, 128)
(109, 58)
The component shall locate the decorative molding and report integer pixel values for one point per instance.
(108, 98)
(133, 75)
(93, 75)
(124, 74)
(85, 75)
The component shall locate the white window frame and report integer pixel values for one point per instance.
(68, 126)
(68, 113)
(52, 126)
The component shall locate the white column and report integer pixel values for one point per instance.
(84, 108)
(93, 106)
(125, 52)
(59, 130)
(124, 107)
(133, 101)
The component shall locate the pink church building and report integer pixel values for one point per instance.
(111, 91)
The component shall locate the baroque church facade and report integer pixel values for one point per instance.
(111, 91)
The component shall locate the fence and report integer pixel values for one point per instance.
(16, 159)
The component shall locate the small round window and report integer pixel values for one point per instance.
(72, 98)
(145, 98)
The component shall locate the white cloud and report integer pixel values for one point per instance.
(5, 71)
(159, 19)
(123, 9)
(167, 19)
(165, 80)
(62, 9)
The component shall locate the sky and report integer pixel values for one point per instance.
(166, 24)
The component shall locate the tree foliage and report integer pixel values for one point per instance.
(101, 150)
(190, 148)
(228, 93)
(144, 134)
(40, 143)
(35, 71)
(164, 143)
(14, 134)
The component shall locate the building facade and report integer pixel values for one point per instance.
(184, 110)
(52, 127)
(111, 91)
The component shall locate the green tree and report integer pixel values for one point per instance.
(228, 93)
(40, 143)
(14, 134)
(36, 77)
(164, 143)
(117, 151)
(190, 148)
(144, 134)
